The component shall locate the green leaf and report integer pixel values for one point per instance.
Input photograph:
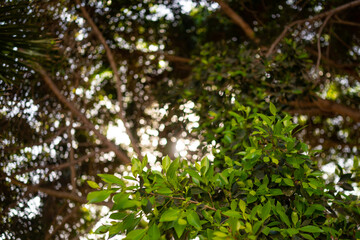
(281, 212)
(311, 229)
(218, 216)
(231, 213)
(193, 219)
(118, 215)
(205, 163)
(102, 229)
(265, 118)
(242, 205)
(154, 232)
(272, 109)
(170, 215)
(122, 202)
(109, 178)
(166, 163)
(294, 218)
(115, 229)
(93, 184)
(164, 190)
(171, 172)
(292, 231)
(265, 213)
(307, 236)
(179, 228)
(136, 234)
(98, 196)
(144, 161)
(288, 182)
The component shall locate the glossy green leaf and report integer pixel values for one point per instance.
(136, 234)
(311, 229)
(154, 232)
(273, 109)
(193, 219)
(170, 215)
(109, 178)
(98, 196)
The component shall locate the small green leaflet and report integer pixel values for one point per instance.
(93, 184)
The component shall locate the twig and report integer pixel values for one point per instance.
(183, 199)
(318, 43)
(71, 158)
(112, 62)
(238, 20)
(310, 19)
(340, 21)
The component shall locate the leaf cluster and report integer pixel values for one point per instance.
(272, 191)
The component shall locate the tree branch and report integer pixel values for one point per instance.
(346, 68)
(318, 43)
(65, 219)
(310, 19)
(56, 193)
(327, 106)
(238, 20)
(64, 165)
(48, 140)
(340, 21)
(112, 62)
(123, 158)
(71, 158)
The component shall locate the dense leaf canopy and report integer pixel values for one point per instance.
(86, 85)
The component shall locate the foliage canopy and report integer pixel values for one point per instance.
(129, 78)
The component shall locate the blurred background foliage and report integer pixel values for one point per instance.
(182, 65)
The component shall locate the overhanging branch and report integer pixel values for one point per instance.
(310, 19)
(238, 20)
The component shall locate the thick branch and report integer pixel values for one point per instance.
(238, 20)
(63, 165)
(123, 158)
(310, 19)
(55, 193)
(327, 106)
(112, 62)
